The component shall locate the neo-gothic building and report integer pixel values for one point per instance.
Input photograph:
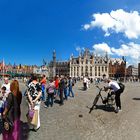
(58, 67)
(88, 64)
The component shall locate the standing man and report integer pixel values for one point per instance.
(61, 89)
(65, 87)
(85, 83)
(7, 85)
(56, 86)
(113, 85)
(43, 84)
(70, 84)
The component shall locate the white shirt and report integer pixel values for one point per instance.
(85, 80)
(114, 85)
(7, 89)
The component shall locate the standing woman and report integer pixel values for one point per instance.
(13, 112)
(43, 84)
(34, 94)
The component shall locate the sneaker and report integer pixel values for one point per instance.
(117, 110)
(45, 106)
(120, 110)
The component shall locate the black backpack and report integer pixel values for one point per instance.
(122, 86)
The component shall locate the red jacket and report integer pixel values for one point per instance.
(56, 83)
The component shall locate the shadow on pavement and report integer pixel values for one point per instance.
(82, 89)
(136, 98)
(24, 131)
(57, 101)
(103, 107)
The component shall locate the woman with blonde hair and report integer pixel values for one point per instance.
(13, 112)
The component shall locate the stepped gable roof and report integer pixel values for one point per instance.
(116, 61)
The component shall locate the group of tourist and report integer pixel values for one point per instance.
(59, 87)
(10, 112)
(47, 90)
(10, 100)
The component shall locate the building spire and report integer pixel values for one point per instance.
(54, 56)
(106, 56)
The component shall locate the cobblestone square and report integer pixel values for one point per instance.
(73, 122)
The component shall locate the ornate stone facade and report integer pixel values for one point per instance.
(88, 64)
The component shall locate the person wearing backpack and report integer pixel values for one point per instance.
(113, 85)
(50, 89)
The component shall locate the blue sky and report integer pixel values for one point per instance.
(31, 29)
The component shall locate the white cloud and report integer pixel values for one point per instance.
(80, 49)
(118, 21)
(102, 48)
(86, 26)
(131, 51)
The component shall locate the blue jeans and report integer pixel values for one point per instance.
(43, 92)
(56, 92)
(71, 91)
(50, 99)
(66, 93)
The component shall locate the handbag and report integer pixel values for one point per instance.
(7, 124)
(35, 118)
(31, 113)
(1, 125)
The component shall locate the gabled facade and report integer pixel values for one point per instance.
(117, 67)
(88, 64)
